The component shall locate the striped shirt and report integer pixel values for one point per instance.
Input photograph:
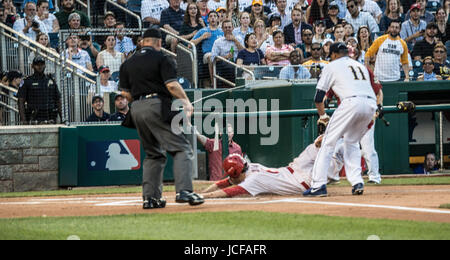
(391, 54)
(363, 18)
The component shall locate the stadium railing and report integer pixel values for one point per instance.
(128, 12)
(9, 114)
(217, 75)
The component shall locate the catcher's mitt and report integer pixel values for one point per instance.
(322, 124)
(406, 106)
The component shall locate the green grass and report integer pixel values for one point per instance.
(246, 225)
(408, 181)
(445, 206)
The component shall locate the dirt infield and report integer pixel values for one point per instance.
(417, 203)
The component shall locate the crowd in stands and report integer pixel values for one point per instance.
(398, 39)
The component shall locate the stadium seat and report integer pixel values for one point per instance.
(417, 64)
(432, 6)
(185, 83)
(134, 6)
(54, 40)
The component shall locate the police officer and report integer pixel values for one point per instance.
(39, 97)
(150, 79)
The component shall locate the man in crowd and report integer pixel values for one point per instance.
(283, 13)
(30, 26)
(428, 71)
(414, 28)
(151, 10)
(68, 7)
(358, 18)
(295, 70)
(423, 13)
(293, 31)
(425, 47)
(99, 115)
(124, 44)
(429, 165)
(316, 63)
(122, 108)
(172, 20)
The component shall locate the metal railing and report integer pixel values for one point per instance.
(232, 64)
(9, 114)
(128, 12)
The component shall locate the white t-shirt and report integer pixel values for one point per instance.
(244, 4)
(153, 8)
(82, 58)
(372, 8)
(20, 24)
(49, 22)
(213, 5)
(347, 78)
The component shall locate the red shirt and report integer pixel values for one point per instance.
(215, 158)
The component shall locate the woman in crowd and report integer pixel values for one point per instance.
(393, 12)
(233, 12)
(193, 22)
(109, 56)
(319, 31)
(339, 33)
(42, 39)
(257, 13)
(278, 54)
(364, 38)
(349, 31)
(244, 29)
(251, 55)
(354, 52)
(317, 11)
(443, 27)
(9, 14)
(326, 49)
(263, 38)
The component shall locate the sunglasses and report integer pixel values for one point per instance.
(350, 6)
(315, 49)
(428, 63)
(439, 51)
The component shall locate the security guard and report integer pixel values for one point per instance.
(39, 97)
(150, 79)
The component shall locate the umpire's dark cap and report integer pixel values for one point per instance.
(38, 59)
(153, 33)
(337, 48)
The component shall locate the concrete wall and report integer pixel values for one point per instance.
(29, 158)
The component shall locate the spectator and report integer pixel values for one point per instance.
(257, 12)
(50, 2)
(425, 47)
(110, 20)
(106, 85)
(392, 51)
(372, 8)
(342, 4)
(364, 39)
(293, 31)
(307, 36)
(354, 52)
(172, 20)
(193, 22)
(222, 15)
(30, 26)
(245, 29)
(326, 49)
(441, 64)
(429, 165)
(109, 56)
(281, 11)
(446, 6)
(423, 13)
(295, 70)
(215, 156)
(151, 10)
(393, 12)
(14, 79)
(243, 4)
(8, 15)
(318, 10)
(67, 8)
(358, 18)
(251, 55)
(316, 63)
(263, 38)
(74, 21)
(413, 28)
(75, 54)
(92, 48)
(233, 12)
(99, 115)
(228, 45)
(339, 33)
(216, 4)
(278, 54)
(443, 33)
(207, 36)
(333, 19)
(42, 39)
(319, 31)
(47, 18)
(301, 4)
(428, 71)
(124, 44)
(274, 24)
(203, 8)
(348, 30)
(122, 108)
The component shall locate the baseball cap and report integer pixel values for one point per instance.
(221, 9)
(97, 96)
(103, 68)
(333, 5)
(109, 13)
(153, 33)
(414, 6)
(337, 47)
(257, 2)
(118, 94)
(38, 59)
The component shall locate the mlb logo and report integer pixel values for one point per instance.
(121, 155)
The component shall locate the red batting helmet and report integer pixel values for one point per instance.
(234, 165)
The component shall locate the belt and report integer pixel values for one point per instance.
(154, 95)
(369, 97)
(306, 186)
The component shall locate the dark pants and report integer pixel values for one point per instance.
(157, 139)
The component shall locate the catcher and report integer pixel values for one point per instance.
(251, 179)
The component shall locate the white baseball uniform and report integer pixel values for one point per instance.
(292, 180)
(350, 81)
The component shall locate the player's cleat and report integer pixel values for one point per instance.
(189, 197)
(320, 192)
(154, 204)
(373, 182)
(358, 189)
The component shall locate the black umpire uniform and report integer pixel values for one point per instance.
(39, 97)
(145, 76)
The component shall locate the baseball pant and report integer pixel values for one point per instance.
(370, 155)
(157, 139)
(350, 121)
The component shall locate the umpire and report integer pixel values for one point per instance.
(149, 78)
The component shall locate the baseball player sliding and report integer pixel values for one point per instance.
(251, 179)
(350, 81)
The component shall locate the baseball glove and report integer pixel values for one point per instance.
(406, 106)
(322, 124)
